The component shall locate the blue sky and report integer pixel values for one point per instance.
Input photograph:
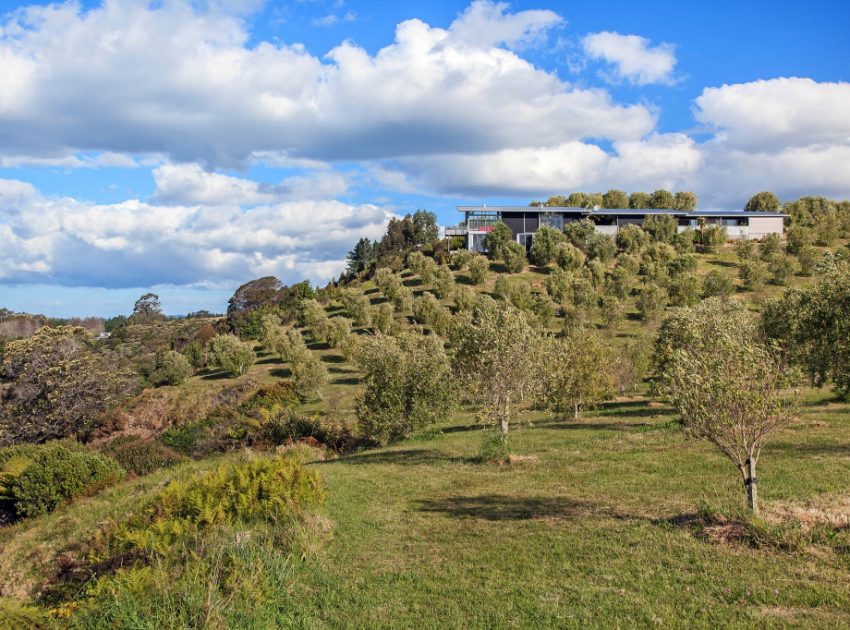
(188, 146)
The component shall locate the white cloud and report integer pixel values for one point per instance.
(191, 184)
(777, 113)
(170, 78)
(73, 243)
(632, 57)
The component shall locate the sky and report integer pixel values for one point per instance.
(188, 146)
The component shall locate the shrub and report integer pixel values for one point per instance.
(232, 355)
(612, 311)
(661, 228)
(494, 449)
(514, 256)
(383, 318)
(464, 298)
(281, 425)
(543, 246)
(632, 239)
(308, 376)
(754, 274)
(799, 237)
(771, 244)
(660, 253)
(712, 238)
(685, 290)
(461, 258)
(558, 285)
(808, 257)
(356, 304)
(569, 257)
(579, 232)
(781, 268)
(140, 456)
(428, 311)
(477, 268)
(746, 249)
(601, 247)
(497, 238)
(443, 280)
(717, 284)
(684, 241)
(339, 328)
(170, 368)
(35, 479)
(651, 302)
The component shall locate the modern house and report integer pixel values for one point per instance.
(524, 221)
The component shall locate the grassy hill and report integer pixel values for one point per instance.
(618, 519)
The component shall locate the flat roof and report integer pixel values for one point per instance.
(622, 211)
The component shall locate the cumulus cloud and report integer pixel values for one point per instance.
(632, 57)
(190, 184)
(68, 242)
(777, 113)
(170, 78)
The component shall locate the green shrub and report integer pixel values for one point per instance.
(284, 426)
(36, 478)
(494, 449)
(717, 284)
(170, 368)
(513, 254)
(477, 268)
(141, 456)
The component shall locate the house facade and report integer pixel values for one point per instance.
(524, 221)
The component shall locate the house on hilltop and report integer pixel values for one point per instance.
(524, 221)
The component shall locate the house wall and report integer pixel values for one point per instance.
(761, 226)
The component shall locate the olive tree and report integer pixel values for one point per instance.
(764, 201)
(499, 236)
(513, 254)
(356, 304)
(729, 391)
(574, 372)
(230, 354)
(494, 358)
(407, 384)
(477, 268)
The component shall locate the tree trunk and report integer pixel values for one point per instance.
(503, 422)
(576, 414)
(752, 493)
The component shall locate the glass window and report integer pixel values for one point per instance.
(552, 220)
(481, 221)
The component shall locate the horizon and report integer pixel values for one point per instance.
(186, 148)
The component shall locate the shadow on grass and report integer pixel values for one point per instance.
(410, 457)
(332, 358)
(565, 425)
(318, 346)
(463, 428)
(281, 372)
(497, 507)
(269, 360)
(348, 380)
(216, 376)
(808, 448)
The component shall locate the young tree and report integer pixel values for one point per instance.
(543, 246)
(514, 256)
(569, 257)
(579, 232)
(754, 273)
(712, 237)
(494, 358)
(232, 355)
(574, 372)
(651, 302)
(356, 304)
(170, 368)
(477, 269)
(632, 239)
(314, 317)
(601, 247)
(407, 384)
(499, 236)
(443, 281)
(308, 376)
(383, 318)
(661, 227)
(717, 284)
(428, 311)
(339, 328)
(729, 392)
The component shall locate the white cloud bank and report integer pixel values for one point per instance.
(632, 57)
(130, 244)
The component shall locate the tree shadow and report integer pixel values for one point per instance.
(348, 380)
(796, 448)
(598, 426)
(269, 360)
(332, 358)
(281, 372)
(318, 346)
(462, 428)
(216, 376)
(496, 507)
(372, 291)
(408, 457)
(724, 263)
(413, 282)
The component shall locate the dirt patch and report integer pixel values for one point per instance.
(833, 511)
(523, 459)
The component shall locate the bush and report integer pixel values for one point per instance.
(232, 355)
(494, 449)
(781, 268)
(717, 284)
(281, 426)
(808, 257)
(661, 228)
(771, 244)
(36, 478)
(651, 302)
(140, 456)
(569, 257)
(579, 232)
(477, 267)
(443, 281)
(684, 241)
(308, 376)
(170, 368)
(754, 274)
(601, 247)
(514, 256)
(383, 318)
(339, 328)
(712, 238)
(632, 239)
(746, 249)
(543, 246)
(685, 290)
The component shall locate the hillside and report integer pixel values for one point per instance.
(617, 518)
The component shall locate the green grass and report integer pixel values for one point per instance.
(582, 533)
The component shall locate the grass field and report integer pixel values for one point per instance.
(588, 528)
